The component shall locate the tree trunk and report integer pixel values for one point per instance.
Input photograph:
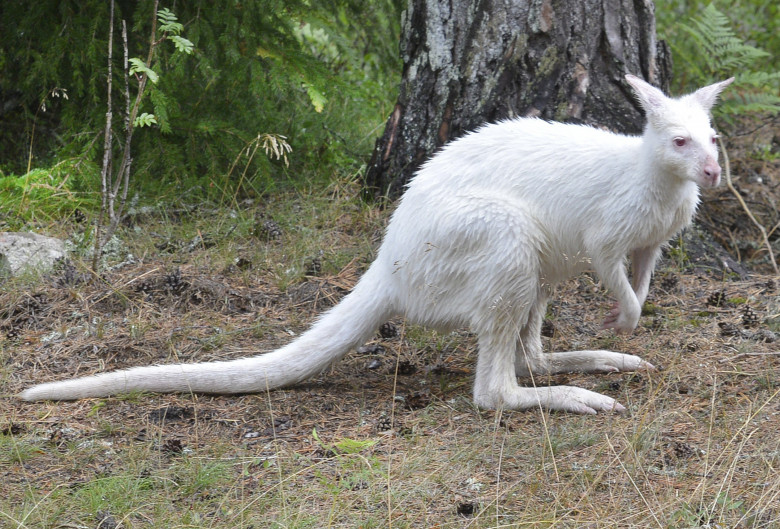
(467, 62)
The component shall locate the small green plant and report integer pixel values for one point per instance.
(15, 451)
(345, 446)
(678, 254)
(119, 493)
(354, 470)
(689, 516)
(115, 183)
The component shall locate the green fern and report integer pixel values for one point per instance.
(714, 52)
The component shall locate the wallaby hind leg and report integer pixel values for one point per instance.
(529, 356)
(531, 360)
(496, 386)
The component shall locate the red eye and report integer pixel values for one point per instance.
(680, 142)
(715, 140)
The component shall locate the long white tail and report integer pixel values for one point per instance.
(347, 325)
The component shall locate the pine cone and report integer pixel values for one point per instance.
(548, 329)
(670, 282)
(69, 277)
(145, 287)
(13, 333)
(269, 230)
(172, 282)
(749, 316)
(717, 299)
(314, 267)
(406, 368)
(729, 329)
(388, 330)
(242, 263)
(384, 424)
(79, 216)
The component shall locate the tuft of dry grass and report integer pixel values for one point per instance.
(389, 436)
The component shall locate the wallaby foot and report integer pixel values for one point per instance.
(595, 362)
(579, 362)
(560, 398)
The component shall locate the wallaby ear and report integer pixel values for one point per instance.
(650, 97)
(706, 96)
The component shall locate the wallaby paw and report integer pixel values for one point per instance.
(617, 362)
(582, 401)
(597, 362)
(558, 398)
(617, 320)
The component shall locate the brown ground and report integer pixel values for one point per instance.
(699, 442)
(715, 340)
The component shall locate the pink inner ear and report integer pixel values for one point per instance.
(708, 95)
(649, 96)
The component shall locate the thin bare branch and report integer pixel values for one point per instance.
(106, 168)
(121, 181)
(727, 167)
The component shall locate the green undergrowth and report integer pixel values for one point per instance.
(48, 195)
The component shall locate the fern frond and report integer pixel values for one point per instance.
(715, 52)
(758, 79)
(749, 102)
(720, 47)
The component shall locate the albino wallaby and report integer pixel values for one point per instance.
(483, 233)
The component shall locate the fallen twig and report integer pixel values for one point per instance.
(749, 213)
(743, 355)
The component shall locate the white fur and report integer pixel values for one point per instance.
(485, 230)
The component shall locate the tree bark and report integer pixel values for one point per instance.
(467, 62)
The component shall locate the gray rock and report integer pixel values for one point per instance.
(20, 252)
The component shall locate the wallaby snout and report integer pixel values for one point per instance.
(711, 172)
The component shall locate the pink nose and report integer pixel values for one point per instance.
(712, 173)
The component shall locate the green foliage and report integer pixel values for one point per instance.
(169, 24)
(181, 44)
(707, 516)
(45, 194)
(145, 120)
(322, 74)
(344, 446)
(707, 49)
(137, 66)
(168, 21)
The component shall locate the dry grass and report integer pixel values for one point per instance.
(389, 437)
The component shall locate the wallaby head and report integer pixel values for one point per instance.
(679, 132)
